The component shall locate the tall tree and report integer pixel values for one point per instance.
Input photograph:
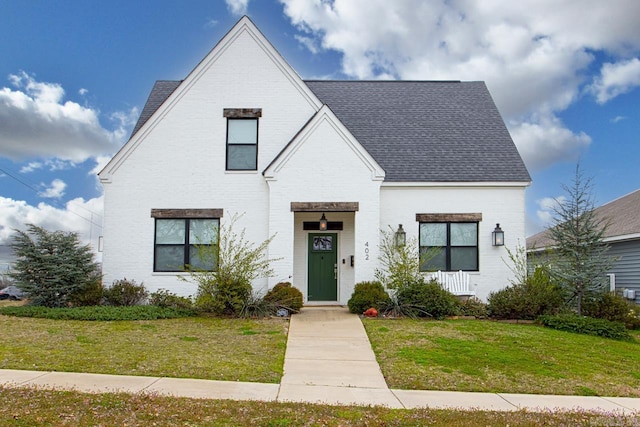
(52, 267)
(581, 263)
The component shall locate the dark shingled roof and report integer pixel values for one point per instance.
(426, 131)
(621, 215)
(162, 89)
(418, 131)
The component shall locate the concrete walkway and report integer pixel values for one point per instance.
(328, 360)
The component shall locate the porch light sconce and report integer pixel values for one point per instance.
(497, 236)
(400, 237)
(323, 223)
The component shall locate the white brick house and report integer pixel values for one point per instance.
(243, 133)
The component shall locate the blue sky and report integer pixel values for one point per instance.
(75, 74)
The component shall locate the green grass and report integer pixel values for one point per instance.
(472, 355)
(196, 347)
(31, 407)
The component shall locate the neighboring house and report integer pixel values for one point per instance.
(623, 236)
(243, 133)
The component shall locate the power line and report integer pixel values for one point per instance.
(55, 202)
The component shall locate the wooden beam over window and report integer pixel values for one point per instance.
(449, 217)
(324, 206)
(186, 213)
(242, 113)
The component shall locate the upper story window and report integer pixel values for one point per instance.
(456, 237)
(242, 138)
(180, 234)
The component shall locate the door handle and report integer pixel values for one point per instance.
(335, 271)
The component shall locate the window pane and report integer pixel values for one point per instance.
(170, 231)
(433, 234)
(203, 231)
(435, 260)
(242, 157)
(242, 132)
(202, 258)
(464, 234)
(464, 259)
(169, 258)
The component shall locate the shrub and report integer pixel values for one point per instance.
(472, 307)
(227, 289)
(538, 295)
(51, 267)
(587, 325)
(223, 296)
(91, 294)
(165, 299)
(98, 313)
(283, 295)
(612, 307)
(367, 295)
(429, 299)
(125, 293)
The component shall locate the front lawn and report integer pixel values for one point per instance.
(30, 407)
(474, 355)
(195, 347)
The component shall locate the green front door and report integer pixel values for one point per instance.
(323, 267)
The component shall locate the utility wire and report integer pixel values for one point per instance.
(58, 204)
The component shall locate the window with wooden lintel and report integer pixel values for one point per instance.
(185, 237)
(451, 240)
(242, 138)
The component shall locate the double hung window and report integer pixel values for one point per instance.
(242, 138)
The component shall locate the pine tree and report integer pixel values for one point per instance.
(52, 267)
(581, 263)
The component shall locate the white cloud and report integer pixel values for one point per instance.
(533, 55)
(83, 91)
(36, 123)
(51, 164)
(547, 207)
(237, 7)
(31, 166)
(55, 190)
(617, 119)
(79, 216)
(544, 141)
(616, 79)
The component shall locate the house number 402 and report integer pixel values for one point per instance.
(366, 251)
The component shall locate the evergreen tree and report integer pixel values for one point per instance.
(581, 263)
(52, 267)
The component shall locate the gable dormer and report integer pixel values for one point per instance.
(243, 72)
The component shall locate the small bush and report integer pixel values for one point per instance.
(472, 307)
(283, 295)
(430, 299)
(538, 295)
(367, 295)
(98, 313)
(614, 308)
(165, 299)
(587, 325)
(223, 296)
(124, 293)
(91, 294)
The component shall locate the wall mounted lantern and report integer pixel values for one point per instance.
(400, 236)
(497, 236)
(323, 223)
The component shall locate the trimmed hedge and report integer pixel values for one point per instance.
(283, 295)
(587, 325)
(99, 313)
(427, 299)
(367, 295)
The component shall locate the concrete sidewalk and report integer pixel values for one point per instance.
(328, 360)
